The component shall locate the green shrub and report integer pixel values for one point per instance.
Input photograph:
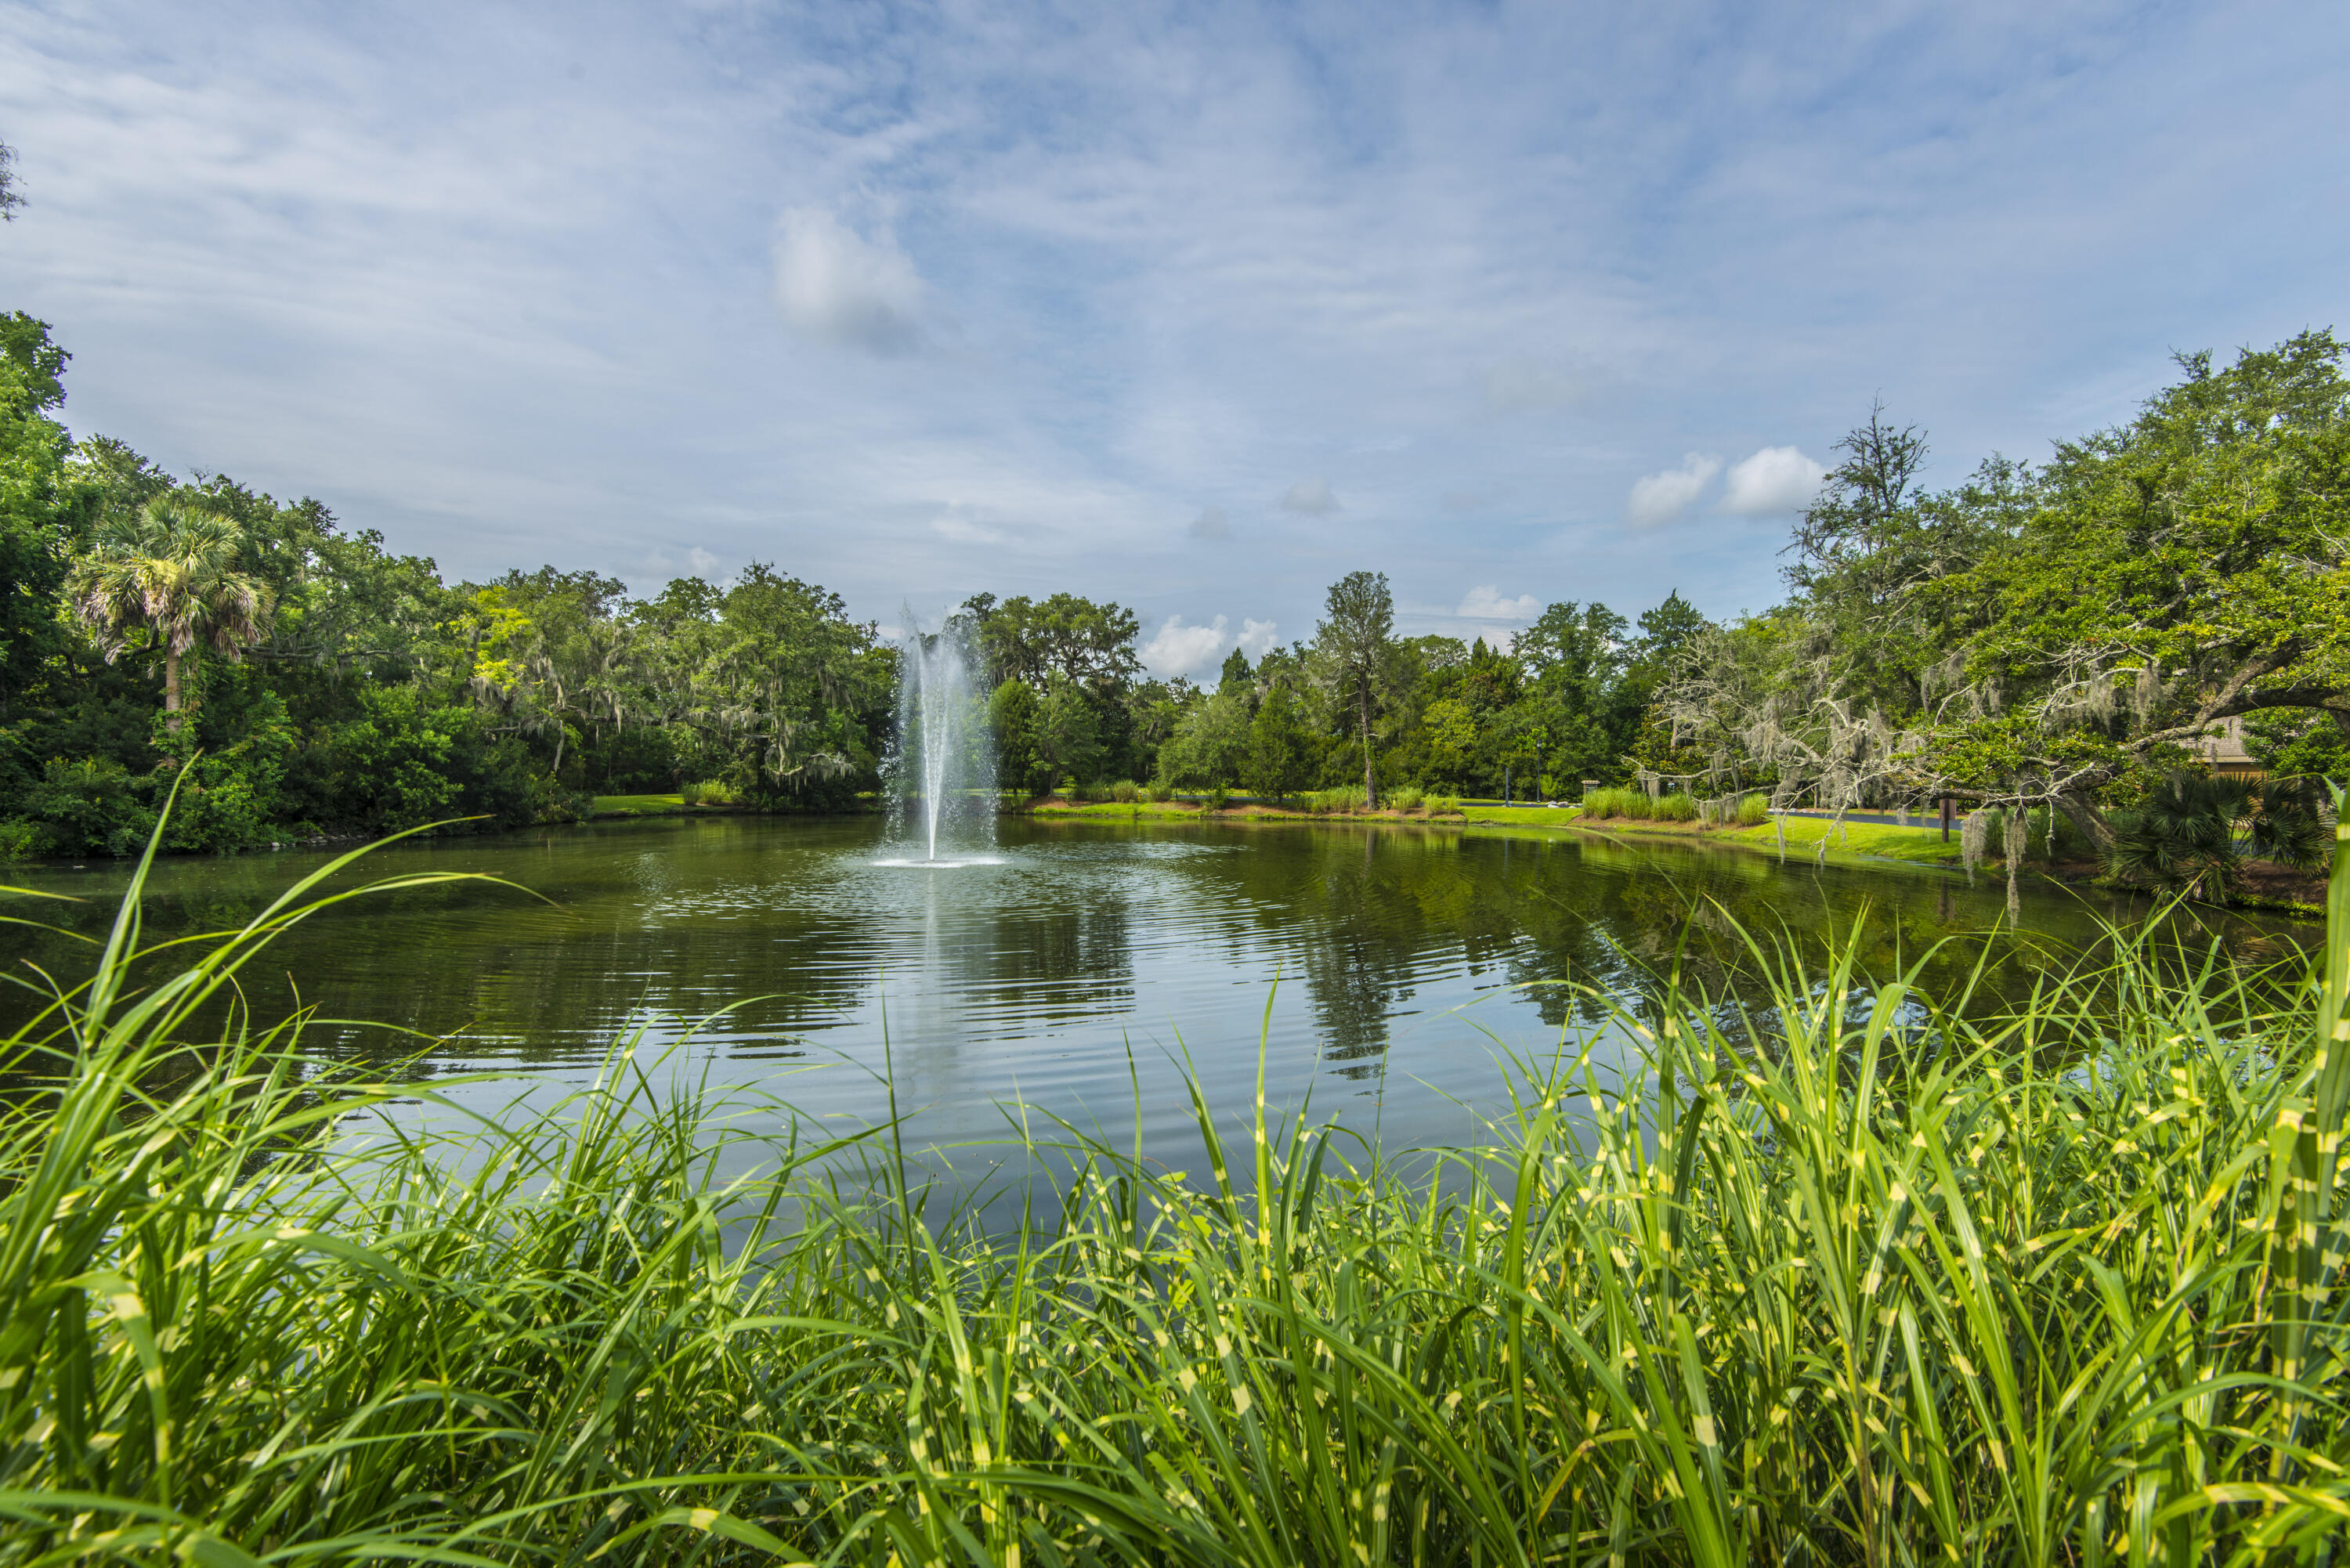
(1753, 810)
(1600, 804)
(91, 806)
(1156, 793)
(708, 791)
(1678, 806)
(22, 838)
(1216, 798)
(1125, 792)
(1444, 805)
(1403, 798)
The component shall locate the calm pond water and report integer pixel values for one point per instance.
(1388, 972)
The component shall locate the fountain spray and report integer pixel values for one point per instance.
(942, 768)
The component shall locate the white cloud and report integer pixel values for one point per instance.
(1311, 496)
(1212, 523)
(509, 315)
(703, 564)
(1180, 649)
(1776, 478)
(1486, 603)
(1257, 637)
(835, 285)
(1662, 497)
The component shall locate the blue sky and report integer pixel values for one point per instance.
(1196, 308)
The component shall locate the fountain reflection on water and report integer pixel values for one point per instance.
(941, 773)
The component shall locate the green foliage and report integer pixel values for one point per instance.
(1404, 798)
(2184, 835)
(1753, 810)
(1798, 1286)
(2064, 635)
(42, 511)
(1280, 750)
(1067, 735)
(1631, 804)
(1216, 798)
(1356, 660)
(1345, 798)
(170, 579)
(708, 791)
(1674, 807)
(1011, 716)
(2300, 745)
(1210, 743)
(1091, 645)
(89, 807)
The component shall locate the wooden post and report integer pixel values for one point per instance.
(1946, 819)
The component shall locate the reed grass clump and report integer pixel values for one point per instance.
(1753, 810)
(1126, 791)
(1405, 798)
(709, 791)
(1852, 1275)
(1630, 804)
(1678, 806)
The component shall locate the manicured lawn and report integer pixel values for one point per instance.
(1119, 809)
(639, 805)
(1847, 842)
(1879, 840)
(1520, 815)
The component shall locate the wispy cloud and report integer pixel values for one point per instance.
(1665, 496)
(922, 304)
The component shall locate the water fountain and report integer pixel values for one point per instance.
(942, 768)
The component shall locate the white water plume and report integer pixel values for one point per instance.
(940, 773)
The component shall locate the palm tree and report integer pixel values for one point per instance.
(171, 572)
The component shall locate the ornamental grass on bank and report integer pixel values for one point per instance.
(1858, 1276)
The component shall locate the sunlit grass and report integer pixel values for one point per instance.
(1861, 1277)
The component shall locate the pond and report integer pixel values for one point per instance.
(1383, 973)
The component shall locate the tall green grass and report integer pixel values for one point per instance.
(1856, 1276)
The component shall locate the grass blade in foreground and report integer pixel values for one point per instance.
(1847, 1278)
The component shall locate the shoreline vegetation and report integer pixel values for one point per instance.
(2163, 718)
(1850, 1274)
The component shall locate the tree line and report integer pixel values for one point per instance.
(291, 676)
(2059, 640)
(2059, 637)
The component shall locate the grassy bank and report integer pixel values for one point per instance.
(1856, 1278)
(1849, 843)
